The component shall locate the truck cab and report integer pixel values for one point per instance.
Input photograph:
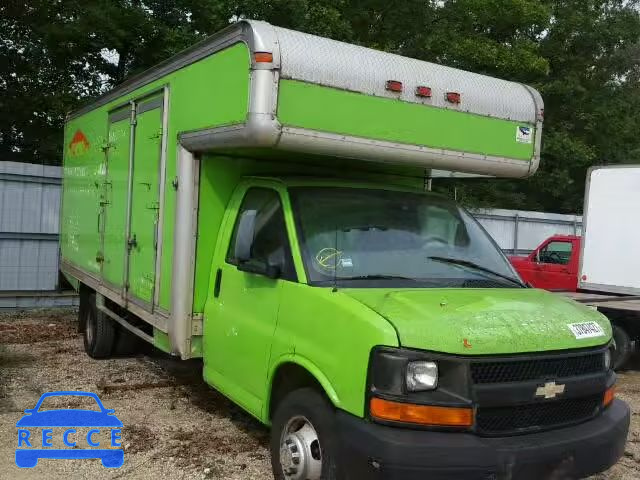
(399, 308)
(553, 265)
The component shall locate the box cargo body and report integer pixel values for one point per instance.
(259, 201)
(611, 233)
(149, 167)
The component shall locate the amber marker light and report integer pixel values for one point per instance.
(263, 57)
(421, 414)
(609, 396)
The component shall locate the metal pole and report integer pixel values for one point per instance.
(515, 233)
(127, 236)
(179, 327)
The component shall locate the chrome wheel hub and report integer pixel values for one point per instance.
(300, 453)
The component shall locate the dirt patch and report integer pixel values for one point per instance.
(196, 446)
(138, 438)
(37, 326)
(175, 426)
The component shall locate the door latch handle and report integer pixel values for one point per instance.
(216, 286)
(133, 242)
(155, 234)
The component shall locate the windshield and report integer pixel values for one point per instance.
(359, 237)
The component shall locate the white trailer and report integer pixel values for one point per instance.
(609, 273)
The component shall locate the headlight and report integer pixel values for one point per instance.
(607, 359)
(422, 376)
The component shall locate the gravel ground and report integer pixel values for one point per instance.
(175, 426)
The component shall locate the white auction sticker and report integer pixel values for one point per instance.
(586, 330)
(346, 262)
(524, 134)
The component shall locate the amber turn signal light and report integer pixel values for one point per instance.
(609, 396)
(420, 414)
(263, 57)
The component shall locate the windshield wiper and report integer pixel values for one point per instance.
(475, 266)
(377, 277)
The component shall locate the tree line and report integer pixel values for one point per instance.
(583, 56)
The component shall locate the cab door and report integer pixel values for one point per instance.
(242, 311)
(552, 268)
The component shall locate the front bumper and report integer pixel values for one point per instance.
(372, 451)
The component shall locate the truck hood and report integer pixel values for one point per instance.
(482, 321)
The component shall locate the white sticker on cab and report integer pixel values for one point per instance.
(524, 134)
(346, 262)
(586, 330)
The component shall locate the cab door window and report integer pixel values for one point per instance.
(270, 241)
(558, 253)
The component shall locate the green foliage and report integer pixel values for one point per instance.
(582, 55)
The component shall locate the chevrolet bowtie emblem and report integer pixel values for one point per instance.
(549, 390)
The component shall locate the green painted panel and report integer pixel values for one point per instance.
(333, 336)
(115, 188)
(196, 346)
(218, 178)
(211, 92)
(83, 190)
(161, 340)
(330, 110)
(482, 321)
(145, 204)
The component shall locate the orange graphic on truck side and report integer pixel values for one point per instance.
(79, 143)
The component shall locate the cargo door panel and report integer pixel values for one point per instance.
(130, 206)
(145, 200)
(114, 200)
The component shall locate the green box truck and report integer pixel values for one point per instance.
(260, 201)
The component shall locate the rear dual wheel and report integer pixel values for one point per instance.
(99, 330)
(103, 337)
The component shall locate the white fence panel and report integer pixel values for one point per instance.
(29, 226)
(519, 232)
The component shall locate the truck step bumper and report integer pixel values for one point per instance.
(375, 451)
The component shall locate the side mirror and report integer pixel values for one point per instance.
(244, 236)
(260, 268)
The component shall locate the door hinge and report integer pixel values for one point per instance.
(106, 146)
(196, 324)
(174, 182)
(99, 257)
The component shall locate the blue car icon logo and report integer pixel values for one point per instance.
(33, 446)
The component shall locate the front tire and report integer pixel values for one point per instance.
(99, 331)
(624, 347)
(303, 439)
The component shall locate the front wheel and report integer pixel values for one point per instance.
(623, 347)
(303, 440)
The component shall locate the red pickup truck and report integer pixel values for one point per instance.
(553, 265)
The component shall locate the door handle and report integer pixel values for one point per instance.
(216, 285)
(155, 234)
